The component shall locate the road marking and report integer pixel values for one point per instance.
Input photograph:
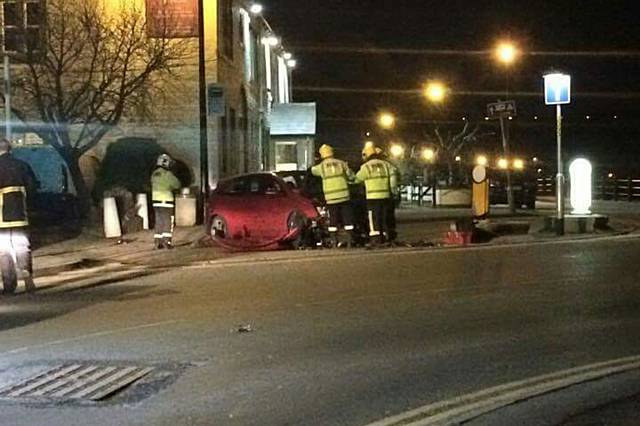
(464, 408)
(89, 336)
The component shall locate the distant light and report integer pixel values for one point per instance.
(482, 160)
(510, 118)
(271, 40)
(580, 171)
(256, 8)
(534, 159)
(539, 171)
(535, 117)
(486, 119)
(458, 158)
(386, 120)
(518, 164)
(287, 56)
(396, 150)
(588, 117)
(464, 118)
(610, 175)
(506, 52)
(615, 117)
(503, 163)
(368, 134)
(292, 63)
(435, 91)
(428, 154)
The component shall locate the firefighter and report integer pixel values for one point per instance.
(336, 176)
(395, 197)
(17, 183)
(380, 181)
(163, 185)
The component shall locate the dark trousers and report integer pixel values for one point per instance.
(391, 220)
(377, 211)
(340, 216)
(164, 222)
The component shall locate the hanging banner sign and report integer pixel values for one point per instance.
(172, 18)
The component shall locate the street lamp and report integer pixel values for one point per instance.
(256, 8)
(396, 150)
(387, 120)
(428, 155)
(503, 164)
(435, 92)
(482, 160)
(518, 164)
(506, 52)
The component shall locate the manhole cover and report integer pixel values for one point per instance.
(91, 382)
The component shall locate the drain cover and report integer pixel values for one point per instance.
(92, 382)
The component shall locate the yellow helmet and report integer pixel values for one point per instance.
(379, 150)
(326, 151)
(368, 151)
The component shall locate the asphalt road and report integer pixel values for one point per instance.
(347, 339)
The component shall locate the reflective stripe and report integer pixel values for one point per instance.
(371, 225)
(333, 229)
(13, 223)
(161, 204)
(157, 236)
(349, 228)
(167, 235)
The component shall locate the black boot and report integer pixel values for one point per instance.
(158, 243)
(168, 243)
(25, 270)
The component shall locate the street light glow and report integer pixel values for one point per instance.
(271, 40)
(287, 56)
(292, 63)
(458, 159)
(387, 120)
(435, 91)
(518, 164)
(396, 150)
(428, 154)
(482, 160)
(503, 163)
(256, 9)
(506, 52)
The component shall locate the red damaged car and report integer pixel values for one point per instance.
(259, 210)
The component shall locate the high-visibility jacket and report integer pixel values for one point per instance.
(163, 185)
(379, 177)
(336, 176)
(16, 182)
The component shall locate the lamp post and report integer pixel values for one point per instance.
(202, 86)
(557, 91)
(506, 53)
(436, 93)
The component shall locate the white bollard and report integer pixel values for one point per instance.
(143, 209)
(111, 219)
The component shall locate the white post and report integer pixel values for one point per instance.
(560, 176)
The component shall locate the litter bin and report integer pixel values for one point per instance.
(186, 208)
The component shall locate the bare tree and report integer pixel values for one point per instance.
(450, 145)
(90, 69)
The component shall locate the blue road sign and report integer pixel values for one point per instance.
(557, 89)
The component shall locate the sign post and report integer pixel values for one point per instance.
(557, 91)
(502, 111)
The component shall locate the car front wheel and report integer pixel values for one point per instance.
(219, 228)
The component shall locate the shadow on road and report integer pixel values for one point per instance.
(24, 310)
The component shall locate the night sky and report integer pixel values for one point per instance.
(604, 85)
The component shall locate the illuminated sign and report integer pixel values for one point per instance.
(557, 89)
(580, 171)
(172, 18)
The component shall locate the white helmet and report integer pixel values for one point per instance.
(164, 161)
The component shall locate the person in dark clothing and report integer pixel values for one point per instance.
(17, 183)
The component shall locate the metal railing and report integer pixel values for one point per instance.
(604, 188)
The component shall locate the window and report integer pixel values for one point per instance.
(227, 27)
(22, 22)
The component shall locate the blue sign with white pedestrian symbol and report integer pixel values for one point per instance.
(557, 89)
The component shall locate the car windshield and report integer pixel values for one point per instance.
(319, 212)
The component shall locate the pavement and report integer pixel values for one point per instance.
(286, 339)
(88, 259)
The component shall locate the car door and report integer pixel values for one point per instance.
(273, 207)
